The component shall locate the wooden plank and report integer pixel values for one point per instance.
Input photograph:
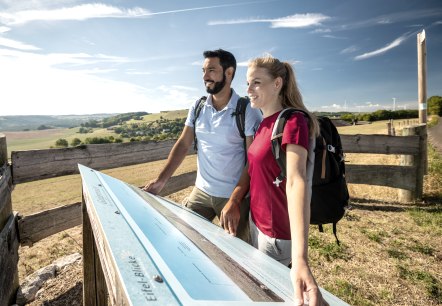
(381, 175)
(3, 150)
(39, 164)
(380, 144)
(89, 286)
(5, 194)
(33, 228)
(8, 262)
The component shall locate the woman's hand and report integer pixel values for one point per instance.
(304, 284)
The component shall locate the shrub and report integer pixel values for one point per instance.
(61, 143)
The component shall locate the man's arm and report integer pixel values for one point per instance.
(230, 214)
(174, 160)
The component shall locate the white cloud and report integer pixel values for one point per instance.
(4, 29)
(321, 31)
(299, 21)
(243, 64)
(34, 84)
(350, 49)
(10, 43)
(293, 21)
(395, 43)
(333, 36)
(79, 12)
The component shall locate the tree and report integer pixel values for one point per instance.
(61, 143)
(435, 105)
(75, 142)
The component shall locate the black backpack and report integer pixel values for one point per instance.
(239, 114)
(330, 195)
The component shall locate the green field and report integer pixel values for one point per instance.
(32, 140)
(45, 139)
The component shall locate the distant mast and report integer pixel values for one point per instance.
(422, 76)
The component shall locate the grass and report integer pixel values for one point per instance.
(390, 253)
(45, 139)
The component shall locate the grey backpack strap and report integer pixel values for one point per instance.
(196, 112)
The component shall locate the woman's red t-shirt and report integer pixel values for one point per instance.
(268, 203)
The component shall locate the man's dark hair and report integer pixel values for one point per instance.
(226, 59)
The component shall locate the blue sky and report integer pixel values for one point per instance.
(78, 57)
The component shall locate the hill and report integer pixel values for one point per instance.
(32, 122)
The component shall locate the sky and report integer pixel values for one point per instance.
(60, 57)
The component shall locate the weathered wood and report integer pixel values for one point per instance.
(33, 228)
(418, 161)
(39, 164)
(89, 286)
(422, 76)
(380, 144)
(99, 259)
(3, 150)
(8, 262)
(382, 175)
(5, 194)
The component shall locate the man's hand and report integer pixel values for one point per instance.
(154, 186)
(230, 215)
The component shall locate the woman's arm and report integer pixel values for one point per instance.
(298, 201)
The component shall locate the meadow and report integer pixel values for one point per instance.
(390, 253)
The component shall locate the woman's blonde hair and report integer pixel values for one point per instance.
(290, 94)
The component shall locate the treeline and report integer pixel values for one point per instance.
(114, 120)
(380, 115)
(156, 130)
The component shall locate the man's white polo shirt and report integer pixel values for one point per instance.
(220, 146)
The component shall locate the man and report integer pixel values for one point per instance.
(220, 148)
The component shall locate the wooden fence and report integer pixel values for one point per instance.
(34, 165)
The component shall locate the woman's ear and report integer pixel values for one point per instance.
(278, 83)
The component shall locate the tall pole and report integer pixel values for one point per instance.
(422, 76)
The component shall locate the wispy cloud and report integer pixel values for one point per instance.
(91, 11)
(348, 50)
(10, 43)
(293, 21)
(403, 16)
(395, 43)
(79, 12)
(4, 29)
(333, 36)
(321, 31)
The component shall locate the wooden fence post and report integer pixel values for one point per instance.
(8, 232)
(94, 283)
(418, 161)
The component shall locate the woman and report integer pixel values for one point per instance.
(280, 213)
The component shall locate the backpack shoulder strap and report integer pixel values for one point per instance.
(196, 112)
(276, 139)
(240, 117)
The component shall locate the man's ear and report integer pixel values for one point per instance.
(229, 72)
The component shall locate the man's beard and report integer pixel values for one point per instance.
(218, 86)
